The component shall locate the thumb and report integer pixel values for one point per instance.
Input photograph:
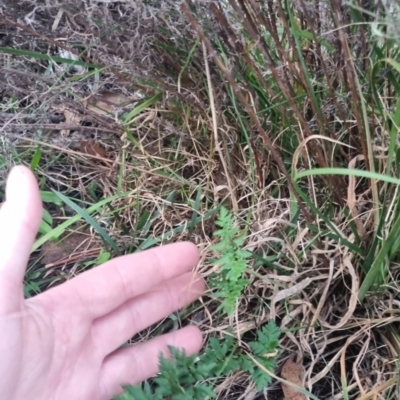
(20, 217)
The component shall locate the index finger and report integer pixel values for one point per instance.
(104, 288)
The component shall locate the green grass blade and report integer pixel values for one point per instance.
(36, 159)
(90, 220)
(50, 197)
(60, 229)
(379, 260)
(309, 36)
(141, 107)
(348, 172)
(40, 56)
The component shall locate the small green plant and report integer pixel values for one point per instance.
(228, 279)
(186, 378)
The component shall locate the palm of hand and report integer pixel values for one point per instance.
(65, 343)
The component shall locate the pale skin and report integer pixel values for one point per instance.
(66, 342)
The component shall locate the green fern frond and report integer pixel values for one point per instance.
(193, 378)
(138, 392)
(267, 339)
(232, 262)
(265, 350)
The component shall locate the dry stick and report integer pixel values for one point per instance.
(332, 93)
(303, 81)
(362, 123)
(84, 254)
(247, 107)
(349, 68)
(257, 163)
(357, 365)
(349, 341)
(215, 130)
(32, 75)
(234, 42)
(55, 127)
(373, 393)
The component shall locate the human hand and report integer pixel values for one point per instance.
(64, 343)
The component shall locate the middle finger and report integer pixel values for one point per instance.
(114, 329)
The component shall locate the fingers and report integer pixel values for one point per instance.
(114, 329)
(103, 289)
(137, 363)
(20, 217)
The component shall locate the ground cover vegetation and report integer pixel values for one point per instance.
(266, 132)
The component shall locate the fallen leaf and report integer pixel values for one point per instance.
(115, 99)
(292, 372)
(106, 103)
(70, 119)
(79, 69)
(285, 293)
(53, 252)
(92, 148)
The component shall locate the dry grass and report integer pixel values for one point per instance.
(177, 126)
